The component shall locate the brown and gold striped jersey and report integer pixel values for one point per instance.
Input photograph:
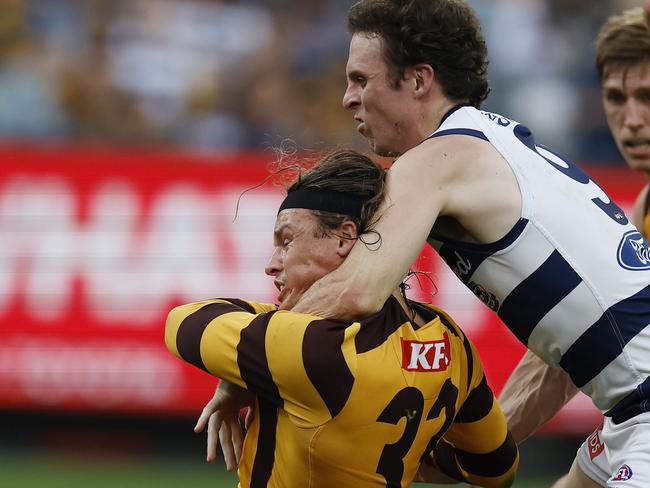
(349, 404)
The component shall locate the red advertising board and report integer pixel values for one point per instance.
(96, 245)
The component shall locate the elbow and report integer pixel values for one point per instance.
(172, 324)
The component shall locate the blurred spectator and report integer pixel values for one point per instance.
(218, 75)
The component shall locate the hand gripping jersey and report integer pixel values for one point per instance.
(349, 404)
(572, 278)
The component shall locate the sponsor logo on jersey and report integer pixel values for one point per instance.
(624, 473)
(426, 356)
(633, 251)
(485, 296)
(497, 119)
(596, 446)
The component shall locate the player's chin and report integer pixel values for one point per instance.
(287, 303)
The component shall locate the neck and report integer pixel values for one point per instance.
(405, 306)
(432, 116)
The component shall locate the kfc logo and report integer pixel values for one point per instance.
(624, 473)
(425, 356)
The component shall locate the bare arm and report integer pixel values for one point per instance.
(533, 394)
(417, 187)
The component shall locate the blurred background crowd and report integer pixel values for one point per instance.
(226, 75)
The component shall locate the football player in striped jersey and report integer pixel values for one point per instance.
(357, 403)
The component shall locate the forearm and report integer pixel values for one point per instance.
(533, 394)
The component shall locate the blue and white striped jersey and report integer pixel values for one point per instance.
(572, 278)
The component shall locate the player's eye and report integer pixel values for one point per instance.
(616, 98)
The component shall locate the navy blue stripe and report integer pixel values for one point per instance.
(606, 338)
(265, 452)
(461, 262)
(491, 248)
(252, 361)
(525, 306)
(632, 405)
(462, 132)
(464, 258)
(190, 331)
(324, 360)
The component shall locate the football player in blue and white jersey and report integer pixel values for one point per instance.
(525, 229)
(539, 241)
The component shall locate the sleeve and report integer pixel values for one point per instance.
(253, 346)
(478, 447)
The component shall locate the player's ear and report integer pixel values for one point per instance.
(422, 76)
(347, 236)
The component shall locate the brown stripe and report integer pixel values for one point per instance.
(190, 331)
(325, 363)
(252, 361)
(265, 452)
(491, 464)
(478, 403)
(376, 328)
(242, 304)
(466, 345)
(444, 455)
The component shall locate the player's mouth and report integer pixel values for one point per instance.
(362, 125)
(637, 147)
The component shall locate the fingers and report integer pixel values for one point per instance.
(225, 439)
(237, 436)
(249, 418)
(214, 425)
(207, 411)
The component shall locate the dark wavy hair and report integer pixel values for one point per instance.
(444, 34)
(345, 171)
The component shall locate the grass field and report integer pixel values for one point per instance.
(77, 451)
(23, 469)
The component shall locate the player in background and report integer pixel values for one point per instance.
(346, 403)
(623, 64)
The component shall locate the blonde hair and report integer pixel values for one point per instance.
(623, 41)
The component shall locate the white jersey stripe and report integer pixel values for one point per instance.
(572, 278)
(605, 340)
(535, 296)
